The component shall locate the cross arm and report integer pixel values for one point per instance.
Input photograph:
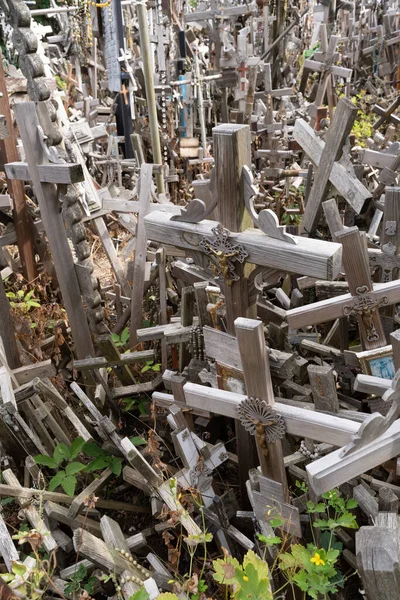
(333, 308)
(315, 65)
(315, 258)
(49, 173)
(299, 421)
(333, 470)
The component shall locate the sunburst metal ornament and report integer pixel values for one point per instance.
(254, 412)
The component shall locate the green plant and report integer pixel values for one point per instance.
(23, 301)
(64, 477)
(150, 365)
(312, 568)
(121, 340)
(77, 583)
(129, 402)
(24, 581)
(102, 460)
(247, 581)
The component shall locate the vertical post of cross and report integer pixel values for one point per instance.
(232, 153)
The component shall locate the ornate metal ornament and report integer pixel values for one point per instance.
(390, 227)
(388, 261)
(364, 305)
(224, 252)
(255, 414)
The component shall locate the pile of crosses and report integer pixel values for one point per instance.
(200, 204)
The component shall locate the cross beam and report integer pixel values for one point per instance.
(315, 258)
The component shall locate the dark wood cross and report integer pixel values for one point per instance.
(242, 70)
(386, 115)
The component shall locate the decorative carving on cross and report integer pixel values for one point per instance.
(260, 419)
(224, 252)
(364, 304)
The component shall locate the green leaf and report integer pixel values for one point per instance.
(260, 565)
(347, 520)
(99, 463)
(145, 368)
(156, 368)
(18, 569)
(276, 522)
(269, 540)
(116, 465)
(31, 303)
(81, 572)
(74, 467)
(61, 453)
(115, 337)
(68, 484)
(92, 449)
(351, 503)
(142, 408)
(20, 293)
(225, 570)
(5, 501)
(141, 594)
(56, 480)
(29, 295)
(138, 441)
(125, 335)
(76, 447)
(332, 555)
(45, 461)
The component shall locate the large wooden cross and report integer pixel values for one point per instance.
(44, 174)
(326, 156)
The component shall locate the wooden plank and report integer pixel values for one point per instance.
(299, 421)
(377, 560)
(315, 258)
(7, 332)
(22, 221)
(338, 131)
(348, 187)
(92, 489)
(102, 362)
(146, 171)
(8, 550)
(66, 173)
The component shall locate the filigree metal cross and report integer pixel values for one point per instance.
(364, 305)
(225, 253)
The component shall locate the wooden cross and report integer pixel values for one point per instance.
(387, 258)
(363, 301)
(327, 69)
(326, 156)
(44, 171)
(386, 115)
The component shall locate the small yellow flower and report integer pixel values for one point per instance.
(269, 512)
(245, 578)
(317, 560)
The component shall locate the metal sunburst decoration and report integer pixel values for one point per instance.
(254, 412)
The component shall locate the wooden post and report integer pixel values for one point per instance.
(340, 128)
(150, 93)
(46, 195)
(254, 355)
(7, 333)
(232, 153)
(9, 153)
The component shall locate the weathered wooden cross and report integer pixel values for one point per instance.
(363, 301)
(326, 156)
(387, 258)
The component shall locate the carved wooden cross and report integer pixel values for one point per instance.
(363, 301)
(387, 258)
